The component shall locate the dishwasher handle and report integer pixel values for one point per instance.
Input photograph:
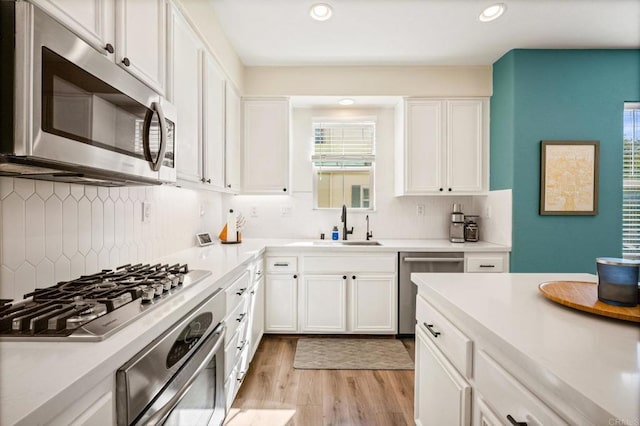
(433, 259)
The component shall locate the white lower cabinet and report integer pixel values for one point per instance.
(482, 414)
(509, 398)
(373, 303)
(442, 395)
(323, 303)
(281, 300)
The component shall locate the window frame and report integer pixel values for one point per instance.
(628, 187)
(371, 158)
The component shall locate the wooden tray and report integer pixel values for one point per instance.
(583, 296)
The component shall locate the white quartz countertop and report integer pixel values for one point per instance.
(39, 379)
(584, 357)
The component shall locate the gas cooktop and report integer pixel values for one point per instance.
(93, 307)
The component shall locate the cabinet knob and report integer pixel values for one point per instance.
(353, 277)
(208, 180)
(284, 189)
(440, 189)
(109, 48)
(229, 186)
(126, 62)
(449, 189)
(203, 180)
(295, 276)
(514, 422)
(344, 277)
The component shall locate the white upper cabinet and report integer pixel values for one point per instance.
(130, 32)
(141, 40)
(213, 114)
(232, 138)
(442, 147)
(185, 76)
(265, 146)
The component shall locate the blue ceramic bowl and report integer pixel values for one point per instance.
(617, 281)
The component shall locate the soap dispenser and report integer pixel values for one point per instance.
(335, 234)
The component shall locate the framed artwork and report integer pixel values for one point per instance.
(569, 177)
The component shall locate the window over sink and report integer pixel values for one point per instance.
(343, 157)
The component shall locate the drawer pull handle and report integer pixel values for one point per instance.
(242, 344)
(240, 317)
(487, 266)
(430, 328)
(241, 376)
(280, 264)
(241, 291)
(514, 422)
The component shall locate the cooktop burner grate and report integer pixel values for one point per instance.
(60, 310)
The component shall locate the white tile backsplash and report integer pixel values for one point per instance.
(53, 232)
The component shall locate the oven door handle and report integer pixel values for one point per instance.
(211, 346)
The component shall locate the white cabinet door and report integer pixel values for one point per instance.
(482, 414)
(265, 146)
(232, 138)
(323, 303)
(213, 122)
(257, 317)
(373, 304)
(93, 20)
(443, 149)
(185, 95)
(281, 299)
(141, 39)
(465, 136)
(424, 146)
(442, 396)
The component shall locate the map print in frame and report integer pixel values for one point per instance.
(569, 177)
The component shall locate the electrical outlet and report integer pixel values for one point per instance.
(487, 211)
(285, 211)
(253, 212)
(420, 210)
(146, 211)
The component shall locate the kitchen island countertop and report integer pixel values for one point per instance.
(587, 362)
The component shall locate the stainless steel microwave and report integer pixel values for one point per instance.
(68, 113)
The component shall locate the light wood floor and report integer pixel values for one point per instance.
(276, 394)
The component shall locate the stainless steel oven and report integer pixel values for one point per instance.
(72, 114)
(178, 378)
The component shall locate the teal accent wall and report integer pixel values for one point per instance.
(560, 95)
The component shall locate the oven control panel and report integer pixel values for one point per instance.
(189, 337)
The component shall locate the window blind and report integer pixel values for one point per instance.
(631, 184)
(343, 142)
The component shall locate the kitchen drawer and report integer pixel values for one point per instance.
(237, 290)
(456, 346)
(258, 271)
(282, 264)
(345, 263)
(237, 317)
(235, 378)
(486, 263)
(506, 396)
(235, 346)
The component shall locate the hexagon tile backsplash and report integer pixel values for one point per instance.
(52, 232)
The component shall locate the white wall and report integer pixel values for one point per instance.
(51, 232)
(496, 223)
(394, 217)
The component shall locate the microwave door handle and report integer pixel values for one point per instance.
(163, 412)
(157, 108)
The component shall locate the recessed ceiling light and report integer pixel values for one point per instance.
(320, 11)
(492, 12)
(346, 101)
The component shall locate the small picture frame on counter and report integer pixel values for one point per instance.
(204, 239)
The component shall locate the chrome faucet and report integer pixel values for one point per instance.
(369, 233)
(343, 218)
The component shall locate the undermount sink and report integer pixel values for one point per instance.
(347, 243)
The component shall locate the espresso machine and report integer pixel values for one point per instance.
(456, 228)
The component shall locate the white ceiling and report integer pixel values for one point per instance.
(420, 32)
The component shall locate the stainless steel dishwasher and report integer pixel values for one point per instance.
(419, 262)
